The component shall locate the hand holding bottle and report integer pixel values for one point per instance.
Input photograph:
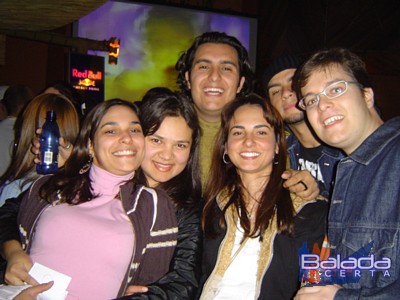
(49, 145)
(64, 149)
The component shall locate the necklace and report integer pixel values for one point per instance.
(251, 213)
(253, 201)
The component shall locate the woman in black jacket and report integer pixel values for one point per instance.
(253, 226)
(171, 163)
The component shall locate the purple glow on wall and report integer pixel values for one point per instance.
(152, 39)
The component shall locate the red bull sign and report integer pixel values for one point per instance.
(86, 75)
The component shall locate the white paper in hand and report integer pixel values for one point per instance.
(44, 274)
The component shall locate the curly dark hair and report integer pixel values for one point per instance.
(185, 61)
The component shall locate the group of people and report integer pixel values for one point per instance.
(188, 195)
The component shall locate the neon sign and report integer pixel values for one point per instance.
(87, 74)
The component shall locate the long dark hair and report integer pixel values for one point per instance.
(68, 185)
(185, 188)
(225, 177)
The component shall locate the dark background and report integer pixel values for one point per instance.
(34, 39)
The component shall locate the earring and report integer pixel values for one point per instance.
(276, 161)
(224, 158)
(87, 166)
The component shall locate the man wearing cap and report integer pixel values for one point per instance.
(306, 152)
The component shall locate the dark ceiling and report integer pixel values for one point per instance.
(43, 14)
(369, 27)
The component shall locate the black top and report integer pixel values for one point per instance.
(281, 280)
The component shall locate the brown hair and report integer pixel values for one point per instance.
(33, 117)
(185, 188)
(321, 60)
(225, 177)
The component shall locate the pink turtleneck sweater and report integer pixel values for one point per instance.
(92, 242)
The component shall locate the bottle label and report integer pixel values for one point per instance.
(48, 157)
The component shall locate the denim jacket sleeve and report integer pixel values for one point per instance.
(181, 282)
(391, 291)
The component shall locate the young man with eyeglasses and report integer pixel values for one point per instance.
(307, 155)
(365, 206)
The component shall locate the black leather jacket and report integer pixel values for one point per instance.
(8, 227)
(8, 219)
(182, 280)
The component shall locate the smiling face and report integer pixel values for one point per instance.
(283, 98)
(214, 79)
(167, 151)
(118, 145)
(251, 144)
(343, 122)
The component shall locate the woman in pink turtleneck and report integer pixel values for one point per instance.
(96, 224)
